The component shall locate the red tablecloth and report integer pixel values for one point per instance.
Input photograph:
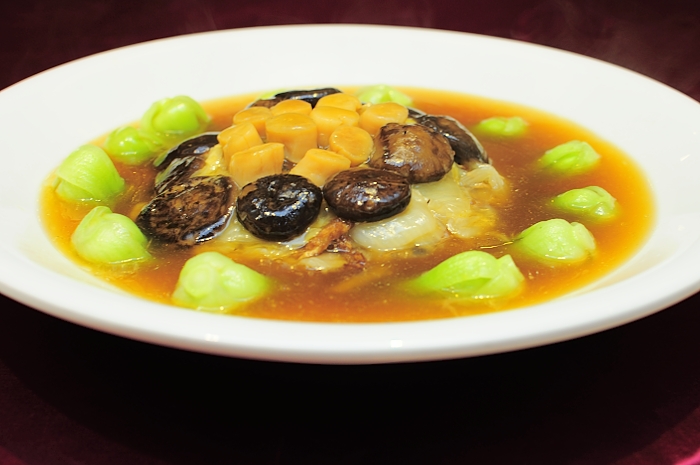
(631, 395)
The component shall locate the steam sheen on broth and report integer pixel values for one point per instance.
(374, 291)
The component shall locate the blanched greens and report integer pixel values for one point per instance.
(471, 275)
(179, 116)
(556, 240)
(109, 238)
(571, 158)
(213, 282)
(88, 175)
(132, 146)
(592, 202)
(503, 126)
(382, 93)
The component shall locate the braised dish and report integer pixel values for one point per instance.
(348, 205)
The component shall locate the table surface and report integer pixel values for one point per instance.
(630, 395)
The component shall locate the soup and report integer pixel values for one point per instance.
(360, 273)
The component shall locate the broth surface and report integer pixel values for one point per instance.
(372, 295)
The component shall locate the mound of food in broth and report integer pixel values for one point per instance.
(372, 204)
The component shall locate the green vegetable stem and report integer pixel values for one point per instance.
(592, 202)
(503, 126)
(570, 158)
(382, 93)
(109, 238)
(213, 282)
(556, 241)
(472, 275)
(88, 175)
(177, 117)
(132, 146)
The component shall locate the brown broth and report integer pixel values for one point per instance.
(372, 295)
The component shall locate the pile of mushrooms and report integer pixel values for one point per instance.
(188, 209)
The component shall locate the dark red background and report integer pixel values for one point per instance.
(631, 395)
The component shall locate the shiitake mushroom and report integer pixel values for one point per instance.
(367, 194)
(466, 147)
(281, 207)
(196, 146)
(417, 152)
(311, 96)
(278, 207)
(183, 160)
(177, 171)
(190, 212)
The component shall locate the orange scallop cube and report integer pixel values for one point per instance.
(262, 160)
(297, 132)
(318, 165)
(328, 119)
(255, 115)
(377, 115)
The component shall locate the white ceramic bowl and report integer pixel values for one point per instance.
(47, 116)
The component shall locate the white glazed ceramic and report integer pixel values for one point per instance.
(47, 116)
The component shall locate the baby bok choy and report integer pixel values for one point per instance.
(132, 146)
(592, 202)
(213, 282)
(382, 93)
(502, 126)
(556, 241)
(177, 117)
(473, 274)
(571, 158)
(109, 238)
(88, 175)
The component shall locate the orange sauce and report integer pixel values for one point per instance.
(373, 295)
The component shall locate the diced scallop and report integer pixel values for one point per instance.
(297, 132)
(374, 117)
